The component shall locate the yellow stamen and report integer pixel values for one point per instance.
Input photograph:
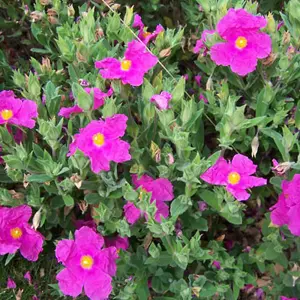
(234, 178)
(146, 34)
(86, 262)
(241, 42)
(98, 139)
(16, 233)
(6, 114)
(125, 64)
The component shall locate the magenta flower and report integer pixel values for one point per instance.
(235, 175)
(286, 211)
(202, 205)
(162, 100)
(132, 213)
(198, 79)
(16, 111)
(117, 242)
(286, 298)
(131, 69)
(99, 98)
(161, 189)
(200, 44)
(100, 141)
(16, 233)
(144, 35)
(202, 98)
(244, 42)
(216, 264)
(10, 284)
(87, 265)
(27, 276)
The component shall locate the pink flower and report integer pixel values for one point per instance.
(244, 42)
(198, 79)
(88, 223)
(216, 264)
(235, 175)
(162, 100)
(280, 24)
(202, 98)
(130, 70)
(100, 141)
(16, 233)
(99, 98)
(27, 276)
(87, 265)
(161, 189)
(144, 35)
(286, 298)
(287, 210)
(202, 205)
(117, 242)
(10, 284)
(200, 44)
(132, 213)
(16, 111)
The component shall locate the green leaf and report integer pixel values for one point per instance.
(178, 92)
(180, 205)
(41, 178)
(68, 200)
(211, 199)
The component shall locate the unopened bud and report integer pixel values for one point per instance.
(115, 6)
(271, 26)
(170, 159)
(36, 16)
(36, 219)
(290, 52)
(45, 2)
(76, 179)
(254, 146)
(269, 60)
(286, 39)
(71, 11)
(99, 33)
(46, 64)
(51, 12)
(165, 52)
(83, 206)
(281, 169)
(53, 20)
(209, 84)
(80, 57)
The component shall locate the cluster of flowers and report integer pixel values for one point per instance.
(88, 264)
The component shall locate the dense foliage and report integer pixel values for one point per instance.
(166, 172)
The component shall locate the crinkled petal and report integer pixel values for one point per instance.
(98, 287)
(86, 237)
(132, 213)
(118, 151)
(66, 112)
(222, 53)
(294, 220)
(162, 211)
(162, 190)
(279, 214)
(24, 116)
(108, 258)
(243, 165)
(218, 173)
(32, 244)
(99, 163)
(69, 284)
(110, 68)
(63, 250)
(244, 63)
(115, 126)
(20, 214)
(239, 194)
(8, 248)
(137, 22)
(239, 19)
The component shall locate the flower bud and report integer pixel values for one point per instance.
(254, 146)
(46, 65)
(51, 12)
(165, 52)
(36, 16)
(286, 39)
(271, 26)
(45, 2)
(170, 159)
(36, 219)
(71, 11)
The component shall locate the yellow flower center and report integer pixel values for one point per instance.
(16, 233)
(98, 139)
(6, 114)
(146, 34)
(125, 64)
(86, 262)
(241, 42)
(143, 191)
(234, 178)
